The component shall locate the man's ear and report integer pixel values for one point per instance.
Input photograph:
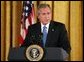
(37, 16)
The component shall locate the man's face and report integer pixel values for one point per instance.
(44, 15)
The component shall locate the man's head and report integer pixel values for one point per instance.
(44, 13)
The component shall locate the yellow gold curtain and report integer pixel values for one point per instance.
(67, 12)
(10, 26)
(76, 30)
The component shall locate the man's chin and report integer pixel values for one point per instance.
(45, 23)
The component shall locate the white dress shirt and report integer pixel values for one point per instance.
(47, 25)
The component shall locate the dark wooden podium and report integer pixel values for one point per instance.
(51, 54)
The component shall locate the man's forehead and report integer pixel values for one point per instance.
(45, 9)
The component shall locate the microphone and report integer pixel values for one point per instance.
(32, 39)
(40, 39)
(36, 39)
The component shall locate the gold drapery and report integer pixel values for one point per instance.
(68, 12)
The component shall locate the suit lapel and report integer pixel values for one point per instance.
(38, 28)
(39, 34)
(49, 33)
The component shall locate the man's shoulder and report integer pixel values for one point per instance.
(34, 25)
(57, 23)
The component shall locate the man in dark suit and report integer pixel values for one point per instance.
(56, 34)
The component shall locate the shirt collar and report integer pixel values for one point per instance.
(47, 25)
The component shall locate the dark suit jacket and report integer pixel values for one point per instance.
(57, 36)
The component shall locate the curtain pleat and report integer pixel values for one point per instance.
(76, 31)
(2, 30)
(16, 18)
(8, 19)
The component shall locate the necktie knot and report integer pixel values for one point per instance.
(44, 29)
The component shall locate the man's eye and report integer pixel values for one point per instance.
(43, 13)
(48, 13)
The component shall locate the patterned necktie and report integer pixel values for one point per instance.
(44, 35)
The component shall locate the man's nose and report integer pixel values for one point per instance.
(47, 17)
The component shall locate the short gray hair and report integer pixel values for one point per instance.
(43, 6)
